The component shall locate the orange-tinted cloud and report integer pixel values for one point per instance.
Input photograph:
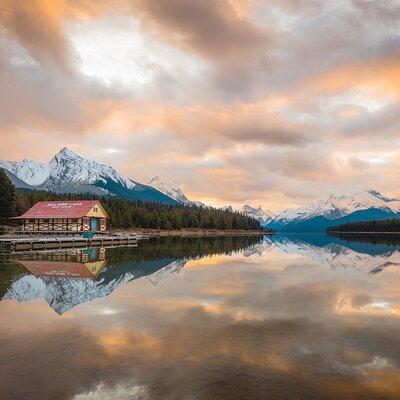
(282, 101)
(36, 25)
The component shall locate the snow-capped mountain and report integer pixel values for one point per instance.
(264, 216)
(339, 206)
(228, 208)
(199, 204)
(169, 190)
(73, 170)
(29, 171)
(19, 183)
(68, 172)
(337, 209)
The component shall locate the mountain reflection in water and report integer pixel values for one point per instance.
(68, 278)
(286, 317)
(366, 252)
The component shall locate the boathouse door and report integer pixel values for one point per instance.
(94, 224)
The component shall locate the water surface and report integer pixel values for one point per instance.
(284, 317)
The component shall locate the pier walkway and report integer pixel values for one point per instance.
(18, 243)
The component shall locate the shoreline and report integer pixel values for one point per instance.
(190, 232)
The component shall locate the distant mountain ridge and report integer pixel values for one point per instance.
(335, 210)
(67, 172)
(328, 212)
(16, 181)
(263, 216)
(169, 190)
(29, 171)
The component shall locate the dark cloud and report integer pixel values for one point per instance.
(361, 300)
(37, 28)
(368, 123)
(269, 135)
(235, 49)
(212, 29)
(384, 11)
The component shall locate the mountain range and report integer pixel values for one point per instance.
(331, 211)
(68, 172)
(169, 190)
(336, 210)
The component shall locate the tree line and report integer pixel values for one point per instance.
(384, 225)
(125, 213)
(180, 247)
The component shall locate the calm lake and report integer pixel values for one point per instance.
(282, 317)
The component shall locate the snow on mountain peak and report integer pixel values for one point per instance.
(71, 169)
(337, 206)
(155, 179)
(374, 193)
(378, 195)
(65, 152)
(169, 190)
(69, 172)
(199, 204)
(29, 171)
(264, 216)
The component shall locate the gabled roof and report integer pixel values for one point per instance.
(60, 209)
(63, 269)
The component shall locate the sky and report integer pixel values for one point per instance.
(271, 103)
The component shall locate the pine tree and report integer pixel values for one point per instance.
(124, 213)
(7, 198)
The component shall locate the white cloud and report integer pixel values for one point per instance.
(116, 51)
(119, 392)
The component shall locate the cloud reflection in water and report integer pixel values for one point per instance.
(275, 320)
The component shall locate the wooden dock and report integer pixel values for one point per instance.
(21, 243)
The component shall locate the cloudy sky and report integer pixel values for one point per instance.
(272, 103)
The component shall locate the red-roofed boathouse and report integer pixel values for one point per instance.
(65, 216)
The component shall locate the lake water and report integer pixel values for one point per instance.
(283, 317)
